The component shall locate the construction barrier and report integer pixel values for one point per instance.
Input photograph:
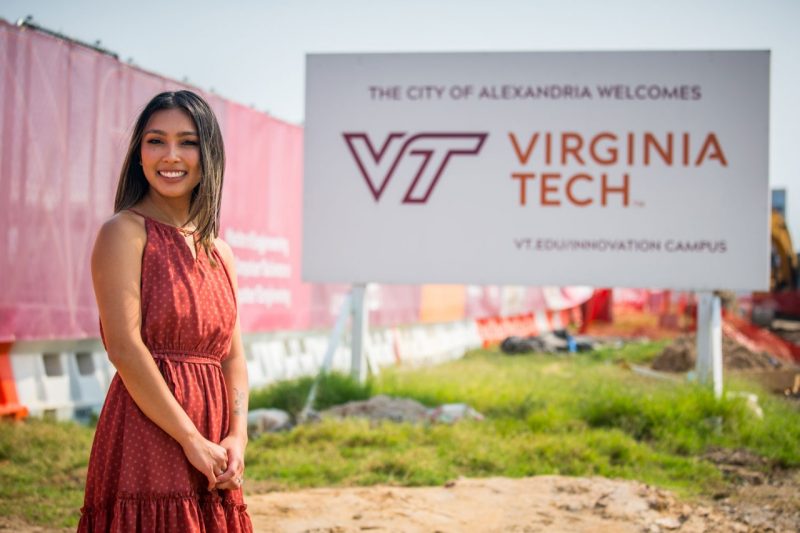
(493, 330)
(60, 384)
(758, 339)
(49, 380)
(292, 355)
(9, 401)
(69, 380)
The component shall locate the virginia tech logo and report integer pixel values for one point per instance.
(434, 151)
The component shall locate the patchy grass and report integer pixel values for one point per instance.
(358, 453)
(572, 415)
(43, 469)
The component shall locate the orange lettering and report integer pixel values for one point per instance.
(620, 190)
(612, 151)
(546, 189)
(548, 143)
(630, 148)
(686, 149)
(523, 158)
(571, 182)
(574, 149)
(650, 140)
(522, 177)
(711, 143)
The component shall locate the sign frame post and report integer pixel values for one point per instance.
(709, 341)
(360, 325)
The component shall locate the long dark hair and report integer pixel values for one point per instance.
(204, 206)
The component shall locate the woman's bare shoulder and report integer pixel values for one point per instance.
(225, 251)
(123, 231)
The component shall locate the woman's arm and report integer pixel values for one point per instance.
(234, 368)
(116, 274)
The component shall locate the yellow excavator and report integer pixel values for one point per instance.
(783, 298)
(783, 273)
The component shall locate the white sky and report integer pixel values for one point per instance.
(253, 51)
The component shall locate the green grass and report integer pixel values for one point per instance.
(291, 395)
(571, 415)
(582, 415)
(42, 471)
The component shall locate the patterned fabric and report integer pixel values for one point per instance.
(139, 478)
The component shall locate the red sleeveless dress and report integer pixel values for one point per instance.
(139, 478)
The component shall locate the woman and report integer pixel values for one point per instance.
(168, 454)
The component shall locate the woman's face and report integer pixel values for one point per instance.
(171, 153)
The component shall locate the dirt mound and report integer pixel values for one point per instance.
(381, 408)
(681, 355)
(764, 496)
(543, 503)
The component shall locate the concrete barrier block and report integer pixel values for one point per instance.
(43, 384)
(87, 381)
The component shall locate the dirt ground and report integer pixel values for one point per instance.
(759, 503)
(543, 503)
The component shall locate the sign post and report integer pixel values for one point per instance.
(358, 369)
(709, 341)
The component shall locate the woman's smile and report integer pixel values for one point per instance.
(172, 174)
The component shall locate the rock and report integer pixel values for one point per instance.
(453, 412)
(381, 407)
(703, 511)
(751, 401)
(267, 420)
(622, 503)
(755, 518)
(658, 504)
(571, 507)
(668, 522)
(601, 503)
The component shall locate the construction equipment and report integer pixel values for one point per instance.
(783, 298)
(783, 273)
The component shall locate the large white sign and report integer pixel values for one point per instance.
(632, 169)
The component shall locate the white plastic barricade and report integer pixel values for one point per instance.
(342, 359)
(275, 360)
(316, 346)
(381, 346)
(90, 375)
(255, 355)
(472, 335)
(70, 380)
(43, 384)
(307, 363)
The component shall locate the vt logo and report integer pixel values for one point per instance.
(434, 151)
